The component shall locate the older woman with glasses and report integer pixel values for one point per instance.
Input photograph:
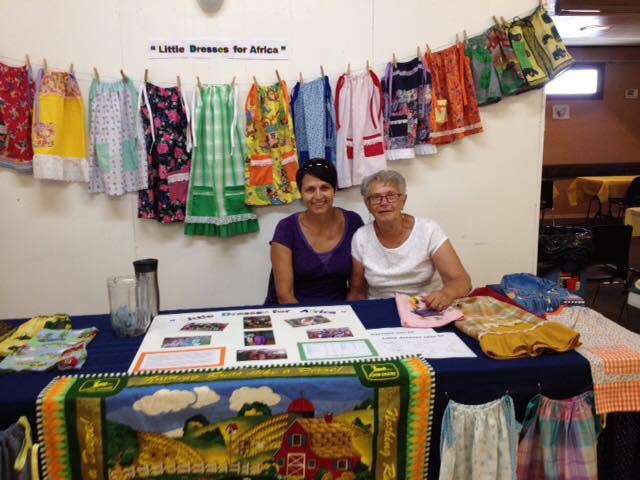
(398, 252)
(311, 250)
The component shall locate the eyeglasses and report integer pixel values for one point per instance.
(390, 197)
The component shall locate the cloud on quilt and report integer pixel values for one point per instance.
(248, 394)
(165, 400)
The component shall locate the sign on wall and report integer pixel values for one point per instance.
(208, 48)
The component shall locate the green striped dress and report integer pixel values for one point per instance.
(216, 191)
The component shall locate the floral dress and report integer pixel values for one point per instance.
(165, 120)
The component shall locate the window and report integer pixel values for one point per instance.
(583, 81)
(297, 440)
(342, 465)
(312, 464)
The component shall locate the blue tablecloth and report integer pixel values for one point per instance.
(464, 380)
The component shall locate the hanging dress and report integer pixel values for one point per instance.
(166, 121)
(272, 158)
(58, 134)
(117, 158)
(16, 105)
(216, 191)
(455, 112)
(407, 103)
(359, 139)
(314, 120)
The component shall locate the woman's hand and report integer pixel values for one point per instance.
(438, 300)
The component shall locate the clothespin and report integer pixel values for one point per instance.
(394, 61)
(28, 61)
(457, 39)
(124, 77)
(419, 52)
(348, 69)
(96, 74)
(44, 62)
(146, 74)
(233, 81)
(464, 33)
(504, 22)
(428, 49)
(255, 81)
(301, 79)
(278, 75)
(322, 71)
(71, 69)
(541, 3)
(199, 84)
(178, 81)
(496, 21)
(368, 66)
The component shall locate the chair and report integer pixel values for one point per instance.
(610, 260)
(630, 199)
(546, 198)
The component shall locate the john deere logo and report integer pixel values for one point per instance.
(99, 385)
(380, 371)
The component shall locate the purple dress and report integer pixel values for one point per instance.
(316, 276)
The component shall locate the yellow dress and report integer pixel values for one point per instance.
(59, 139)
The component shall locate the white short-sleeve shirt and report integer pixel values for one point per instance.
(405, 269)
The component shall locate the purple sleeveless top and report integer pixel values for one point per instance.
(316, 276)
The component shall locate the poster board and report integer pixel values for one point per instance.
(252, 337)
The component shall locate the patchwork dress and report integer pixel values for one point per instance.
(117, 158)
(559, 439)
(314, 120)
(216, 191)
(167, 135)
(16, 105)
(360, 143)
(407, 104)
(454, 112)
(59, 140)
(272, 158)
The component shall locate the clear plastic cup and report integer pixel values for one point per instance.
(128, 319)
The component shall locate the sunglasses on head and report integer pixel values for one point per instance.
(309, 164)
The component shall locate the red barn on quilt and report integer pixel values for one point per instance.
(314, 444)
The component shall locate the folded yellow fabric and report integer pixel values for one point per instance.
(506, 331)
(30, 328)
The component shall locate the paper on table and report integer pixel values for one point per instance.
(413, 341)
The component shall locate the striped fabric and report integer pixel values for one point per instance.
(216, 191)
(613, 353)
(506, 331)
(559, 439)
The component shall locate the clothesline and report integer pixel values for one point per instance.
(377, 67)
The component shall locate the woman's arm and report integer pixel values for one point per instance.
(455, 278)
(282, 265)
(357, 284)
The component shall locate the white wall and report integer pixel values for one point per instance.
(58, 243)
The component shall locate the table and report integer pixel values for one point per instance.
(464, 380)
(603, 188)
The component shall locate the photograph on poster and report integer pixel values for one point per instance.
(204, 327)
(261, 354)
(307, 321)
(176, 342)
(329, 332)
(259, 337)
(257, 321)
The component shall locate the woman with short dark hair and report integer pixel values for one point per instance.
(311, 250)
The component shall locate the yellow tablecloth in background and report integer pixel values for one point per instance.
(583, 188)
